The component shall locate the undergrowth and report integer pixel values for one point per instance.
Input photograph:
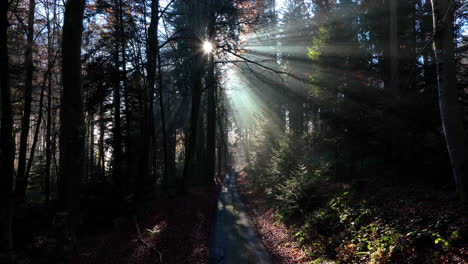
(362, 221)
(346, 228)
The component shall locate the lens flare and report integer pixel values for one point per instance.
(207, 47)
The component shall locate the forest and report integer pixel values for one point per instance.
(233, 131)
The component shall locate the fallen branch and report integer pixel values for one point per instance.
(140, 239)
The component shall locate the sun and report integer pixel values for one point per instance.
(207, 47)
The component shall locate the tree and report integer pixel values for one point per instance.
(117, 127)
(450, 111)
(153, 60)
(211, 86)
(22, 177)
(191, 176)
(51, 30)
(71, 115)
(293, 60)
(7, 143)
(393, 49)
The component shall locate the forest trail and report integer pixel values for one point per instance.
(235, 238)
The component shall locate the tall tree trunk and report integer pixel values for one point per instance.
(153, 59)
(163, 119)
(91, 163)
(211, 109)
(117, 131)
(7, 143)
(222, 145)
(50, 36)
(171, 180)
(21, 178)
(392, 86)
(35, 138)
(296, 113)
(130, 124)
(132, 130)
(48, 142)
(86, 115)
(394, 79)
(102, 158)
(56, 132)
(450, 108)
(200, 158)
(426, 27)
(71, 115)
(47, 77)
(191, 177)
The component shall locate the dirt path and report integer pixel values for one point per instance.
(235, 238)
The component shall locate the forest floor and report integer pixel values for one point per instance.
(405, 226)
(174, 231)
(217, 225)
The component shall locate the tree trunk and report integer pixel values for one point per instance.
(48, 142)
(102, 158)
(91, 163)
(50, 34)
(191, 177)
(200, 158)
(296, 115)
(35, 139)
(222, 149)
(151, 81)
(21, 178)
(211, 109)
(392, 86)
(47, 77)
(130, 182)
(130, 124)
(450, 108)
(7, 143)
(117, 131)
(162, 108)
(394, 78)
(71, 115)
(154, 58)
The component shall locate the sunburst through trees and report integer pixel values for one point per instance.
(111, 106)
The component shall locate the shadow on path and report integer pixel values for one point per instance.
(235, 238)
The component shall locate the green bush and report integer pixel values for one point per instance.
(298, 195)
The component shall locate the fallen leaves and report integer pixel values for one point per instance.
(276, 237)
(179, 229)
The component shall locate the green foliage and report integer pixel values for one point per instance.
(355, 229)
(296, 194)
(376, 241)
(276, 160)
(323, 261)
